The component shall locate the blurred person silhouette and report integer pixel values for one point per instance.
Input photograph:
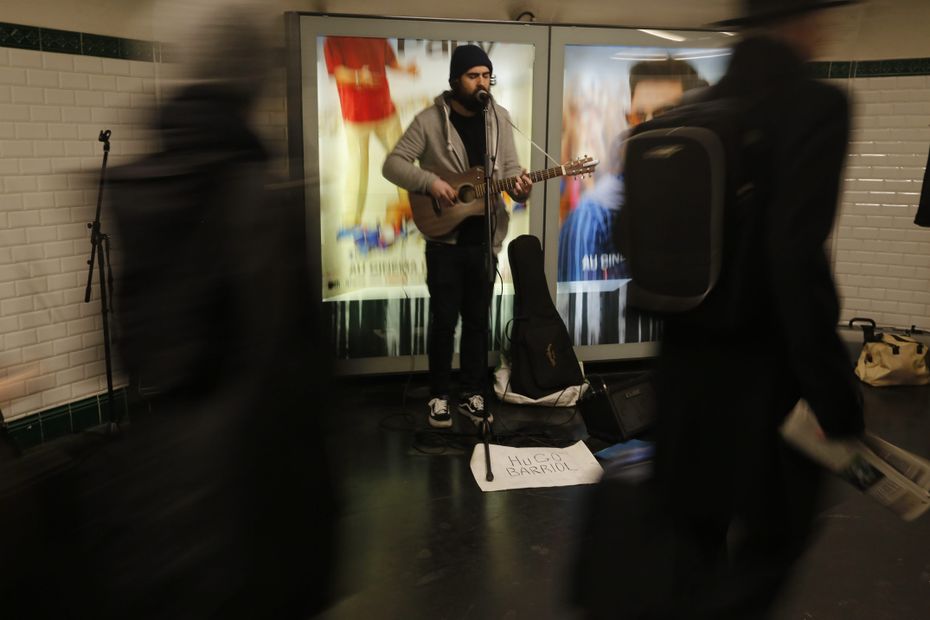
(922, 218)
(730, 507)
(216, 503)
(231, 345)
(743, 504)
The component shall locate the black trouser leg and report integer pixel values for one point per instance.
(444, 281)
(476, 301)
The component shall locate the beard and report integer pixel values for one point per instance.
(469, 101)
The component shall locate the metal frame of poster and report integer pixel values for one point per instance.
(590, 111)
(366, 255)
(365, 260)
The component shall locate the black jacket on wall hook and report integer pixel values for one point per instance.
(923, 211)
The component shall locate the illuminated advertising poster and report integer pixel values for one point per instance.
(373, 267)
(607, 91)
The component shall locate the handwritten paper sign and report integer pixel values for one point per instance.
(526, 468)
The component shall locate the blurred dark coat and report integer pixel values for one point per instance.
(216, 503)
(923, 211)
(189, 232)
(216, 314)
(720, 463)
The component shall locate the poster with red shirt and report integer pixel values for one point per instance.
(368, 91)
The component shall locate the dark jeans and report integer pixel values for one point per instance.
(458, 284)
(741, 504)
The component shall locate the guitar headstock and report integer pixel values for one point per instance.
(581, 166)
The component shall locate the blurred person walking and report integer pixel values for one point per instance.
(217, 319)
(743, 504)
(730, 507)
(215, 503)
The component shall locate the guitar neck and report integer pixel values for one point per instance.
(536, 176)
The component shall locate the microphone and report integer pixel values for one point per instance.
(483, 97)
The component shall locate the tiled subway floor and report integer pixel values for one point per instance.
(421, 541)
(424, 542)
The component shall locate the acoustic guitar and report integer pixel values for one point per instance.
(434, 220)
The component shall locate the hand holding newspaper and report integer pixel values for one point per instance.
(893, 477)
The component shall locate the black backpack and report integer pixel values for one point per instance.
(543, 360)
(691, 212)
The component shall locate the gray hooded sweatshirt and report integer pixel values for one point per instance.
(433, 141)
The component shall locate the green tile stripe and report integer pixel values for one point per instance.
(63, 420)
(79, 43)
(819, 70)
(87, 44)
(842, 69)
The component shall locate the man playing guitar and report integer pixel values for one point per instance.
(450, 136)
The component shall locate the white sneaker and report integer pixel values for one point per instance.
(473, 409)
(439, 416)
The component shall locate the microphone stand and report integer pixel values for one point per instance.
(489, 160)
(100, 253)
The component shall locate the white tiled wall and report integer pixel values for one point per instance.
(882, 259)
(52, 108)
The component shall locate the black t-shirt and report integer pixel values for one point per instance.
(471, 131)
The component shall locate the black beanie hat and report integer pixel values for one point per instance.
(465, 57)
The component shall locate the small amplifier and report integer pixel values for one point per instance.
(618, 407)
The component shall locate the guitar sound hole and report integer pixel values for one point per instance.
(467, 193)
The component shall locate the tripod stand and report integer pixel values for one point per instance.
(100, 254)
(484, 428)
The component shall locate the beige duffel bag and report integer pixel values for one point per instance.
(890, 359)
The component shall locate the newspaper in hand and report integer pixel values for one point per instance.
(895, 478)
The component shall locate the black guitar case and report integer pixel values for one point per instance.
(543, 360)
